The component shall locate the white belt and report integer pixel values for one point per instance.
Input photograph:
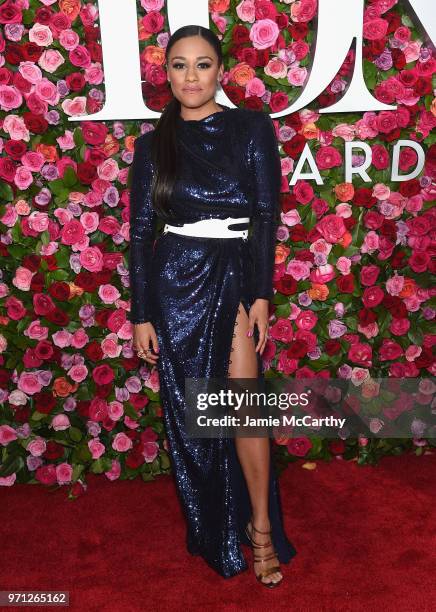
(210, 228)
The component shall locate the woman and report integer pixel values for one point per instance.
(197, 296)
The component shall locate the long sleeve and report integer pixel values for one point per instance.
(143, 220)
(265, 159)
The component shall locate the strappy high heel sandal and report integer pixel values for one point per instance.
(263, 573)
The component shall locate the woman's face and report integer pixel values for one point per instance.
(193, 71)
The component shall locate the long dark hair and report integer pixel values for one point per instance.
(164, 139)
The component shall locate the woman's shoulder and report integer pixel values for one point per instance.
(251, 118)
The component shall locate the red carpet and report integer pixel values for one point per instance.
(365, 538)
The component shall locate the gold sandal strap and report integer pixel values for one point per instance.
(262, 559)
(262, 532)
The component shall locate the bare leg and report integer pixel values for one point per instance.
(253, 453)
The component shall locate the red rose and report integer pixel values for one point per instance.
(14, 54)
(380, 157)
(43, 15)
(363, 197)
(10, 12)
(373, 220)
(60, 291)
(369, 274)
(86, 172)
(287, 285)
(32, 52)
(298, 30)
(240, 34)
(299, 446)
(410, 188)
(94, 133)
(35, 123)
(53, 450)
(295, 146)
(46, 474)
(75, 81)
(366, 317)
(337, 447)
(93, 351)
(372, 296)
(42, 304)
(332, 228)
(103, 374)
(332, 347)
(297, 349)
(303, 192)
(7, 169)
(386, 121)
(389, 350)
(345, 283)
(298, 233)
(419, 261)
(44, 402)
(361, 354)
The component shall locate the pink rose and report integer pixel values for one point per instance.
(332, 228)
(38, 221)
(303, 11)
(50, 60)
(69, 39)
(33, 161)
(122, 442)
(108, 294)
(150, 451)
(91, 259)
(60, 422)
(115, 471)
(306, 319)
(16, 128)
(22, 278)
(75, 106)
(375, 29)
(47, 91)
(115, 410)
(297, 76)
(264, 33)
(7, 434)
(29, 383)
(79, 339)
(41, 35)
(328, 157)
(10, 98)
(96, 448)
(23, 178)
(37, 447)
(78, 372)
(30, 72)
(64, 473)
(108, 170)
(299, 270)
(79, 56)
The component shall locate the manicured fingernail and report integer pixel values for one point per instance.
(249, 333)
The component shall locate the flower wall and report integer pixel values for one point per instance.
(353, 260)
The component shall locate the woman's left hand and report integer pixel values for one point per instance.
(259, 316)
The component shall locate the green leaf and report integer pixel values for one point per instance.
(13, 464)
(6, 192)
(70, 177)
(75, 434)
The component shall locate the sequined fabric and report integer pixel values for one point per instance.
(190, 289)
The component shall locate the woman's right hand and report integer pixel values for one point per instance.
(143, 333)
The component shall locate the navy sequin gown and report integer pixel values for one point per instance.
(190, 289)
